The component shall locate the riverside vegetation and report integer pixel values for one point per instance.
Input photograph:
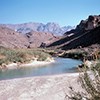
(8, 56)
(90, 82)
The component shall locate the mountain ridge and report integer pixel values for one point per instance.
(50, 27)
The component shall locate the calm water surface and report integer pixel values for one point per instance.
(61, 65)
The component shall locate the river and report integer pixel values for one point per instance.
(61, 65)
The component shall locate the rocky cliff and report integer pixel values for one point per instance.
(85, 34)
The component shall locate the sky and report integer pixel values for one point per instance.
(63, 12)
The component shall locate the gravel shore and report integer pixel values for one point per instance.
(53, 87)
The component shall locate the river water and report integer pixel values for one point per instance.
(61, 65)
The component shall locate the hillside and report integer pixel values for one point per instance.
(85, 34)
(12, 39)
(36, 39)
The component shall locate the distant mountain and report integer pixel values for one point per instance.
(85, 34)
(39, 27)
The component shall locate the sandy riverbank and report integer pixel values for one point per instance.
(52, 87)
(33, 63)
(37, 63)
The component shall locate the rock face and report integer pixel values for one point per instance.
(86, 25)
(39, 27)
(90, 23)
(85, 34)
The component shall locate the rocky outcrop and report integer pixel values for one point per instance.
(90, 23)
(85, 25)
(85, 34)
(84, 40)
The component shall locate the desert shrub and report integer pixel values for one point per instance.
(91, 85)
(11, 56)
(43, 56)
(2, 61)
(90, 82)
